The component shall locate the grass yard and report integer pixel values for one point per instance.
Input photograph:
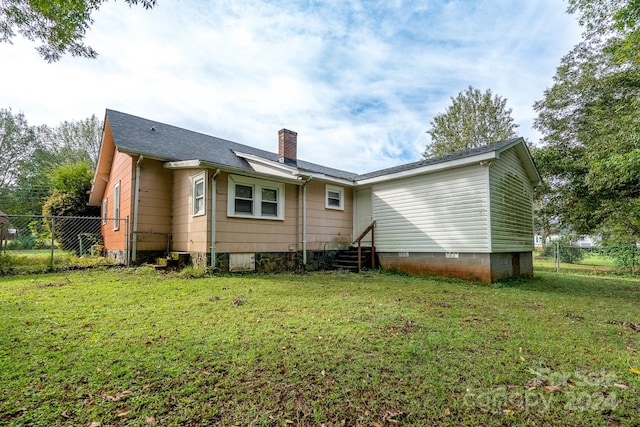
(135, 347)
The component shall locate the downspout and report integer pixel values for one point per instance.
(213, 218)
(136, 201)
(304, 221)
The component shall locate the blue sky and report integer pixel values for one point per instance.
(360, 81)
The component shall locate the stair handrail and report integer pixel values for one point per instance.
(370, 228)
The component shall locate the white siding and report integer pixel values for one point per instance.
(511, 205)
(440, 212)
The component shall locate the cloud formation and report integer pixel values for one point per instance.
(359, 81)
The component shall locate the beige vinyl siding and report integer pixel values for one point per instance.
(190, 233)
(511, 205)
(328, 228)
(440, 212)
(154, 206)
(237, 235)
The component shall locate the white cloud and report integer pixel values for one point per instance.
(358, 80)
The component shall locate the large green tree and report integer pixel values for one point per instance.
(33, 152)
(590, 121)
(18, 143)
(472, 120)
(60, 25)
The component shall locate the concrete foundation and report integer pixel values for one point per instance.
(487, 268)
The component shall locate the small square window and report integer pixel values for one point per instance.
(334, 198)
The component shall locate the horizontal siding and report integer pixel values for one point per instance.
(440, 212)
(511, 205)
(154, 205)
(327, 228)
(121, 170)
(256, 235)
(190, 233)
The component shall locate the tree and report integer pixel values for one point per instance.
(75, 141)
(59, 25)
(33, 152)
(70, 184)
(472, 120)
(589, 119)
(18, 142)
(615, 19)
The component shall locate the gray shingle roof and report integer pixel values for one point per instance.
(170, 143)
(446, 158)
(134, 134)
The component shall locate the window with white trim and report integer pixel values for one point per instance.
(334, 197)
(197, 195)
(104, 211)
(116, 206)
(255, 198)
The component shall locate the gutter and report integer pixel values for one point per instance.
(213, 218)
(136, 202)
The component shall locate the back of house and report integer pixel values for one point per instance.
(233, 207)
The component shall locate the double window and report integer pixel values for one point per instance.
(197, 195)
(254, 198)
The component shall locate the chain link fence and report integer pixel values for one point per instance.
(34, 243)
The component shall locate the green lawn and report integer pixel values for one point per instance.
(136, 347)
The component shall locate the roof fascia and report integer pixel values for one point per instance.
(297, 172)
(315, 175)
(430, 168)
(270, 163)
(101, 176)
(195, 163)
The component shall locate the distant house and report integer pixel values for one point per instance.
(231, 206)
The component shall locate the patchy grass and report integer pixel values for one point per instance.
(134, 347)
(39, 261)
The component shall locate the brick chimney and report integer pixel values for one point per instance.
(287, 146)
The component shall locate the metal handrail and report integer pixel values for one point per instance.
(362, 235)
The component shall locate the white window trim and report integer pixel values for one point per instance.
(116, 205)
(339, 190)
(257, 185)
(194, 181)
(105, 213)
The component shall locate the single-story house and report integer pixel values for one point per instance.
(232, 206)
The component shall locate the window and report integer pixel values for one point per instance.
(116, 206)
(104, 211)
(197, 194)
(334, 197)
(269, 202)
(244, 199)
(255, 198)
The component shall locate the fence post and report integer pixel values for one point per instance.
(53, 233)
(557, 256)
